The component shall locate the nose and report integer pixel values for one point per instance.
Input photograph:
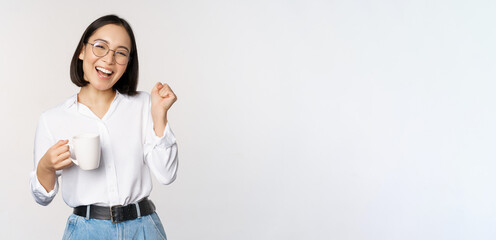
(109, 58)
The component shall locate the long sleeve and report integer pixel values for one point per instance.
(42, 142)
(161, 153)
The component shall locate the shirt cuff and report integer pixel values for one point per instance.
(167, 140)
(40, 194)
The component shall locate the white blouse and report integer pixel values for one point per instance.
(130, 149)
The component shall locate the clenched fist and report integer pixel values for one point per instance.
(162, 98)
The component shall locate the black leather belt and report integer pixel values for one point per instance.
(118, 213)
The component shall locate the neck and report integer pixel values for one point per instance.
(93, 97)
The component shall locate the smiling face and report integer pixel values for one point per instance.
(103, 72)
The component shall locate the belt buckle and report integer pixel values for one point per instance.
(112, 218)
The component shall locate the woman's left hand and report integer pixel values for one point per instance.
(162, 98)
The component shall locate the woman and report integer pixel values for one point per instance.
(109, 202)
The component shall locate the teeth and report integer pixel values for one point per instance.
(104, 70)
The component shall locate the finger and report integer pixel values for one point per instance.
(157, 87)
(64, 164)
(61, 149)
(171, 92)
(60, 143)
(166, 90)
(163, 92)
(167, 87)
(63, 160)
(63, 156)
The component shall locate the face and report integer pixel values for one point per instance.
(103, 72)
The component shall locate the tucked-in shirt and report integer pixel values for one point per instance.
(130, 149)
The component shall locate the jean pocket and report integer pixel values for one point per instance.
(157, 226)
(70, 226)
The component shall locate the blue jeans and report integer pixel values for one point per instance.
(146, 227)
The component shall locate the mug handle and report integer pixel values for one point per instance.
(71, 147)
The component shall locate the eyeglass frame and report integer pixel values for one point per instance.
(108, 50)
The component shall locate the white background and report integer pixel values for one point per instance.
(295, 119)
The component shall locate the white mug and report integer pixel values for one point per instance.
(86, 150)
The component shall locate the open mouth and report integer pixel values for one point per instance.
(104, 73)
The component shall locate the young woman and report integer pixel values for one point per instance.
(109, 202)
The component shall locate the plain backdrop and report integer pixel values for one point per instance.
(296, 119)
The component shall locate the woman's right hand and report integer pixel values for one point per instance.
(56, 158)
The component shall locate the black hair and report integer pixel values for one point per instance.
(128, 82)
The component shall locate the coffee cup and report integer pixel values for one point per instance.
(86, 149)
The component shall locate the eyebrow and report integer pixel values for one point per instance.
(103, 40)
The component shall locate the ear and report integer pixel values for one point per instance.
(81, 54)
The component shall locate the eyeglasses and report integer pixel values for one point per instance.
(101, 49)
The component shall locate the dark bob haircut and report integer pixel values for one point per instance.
(128, 82)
